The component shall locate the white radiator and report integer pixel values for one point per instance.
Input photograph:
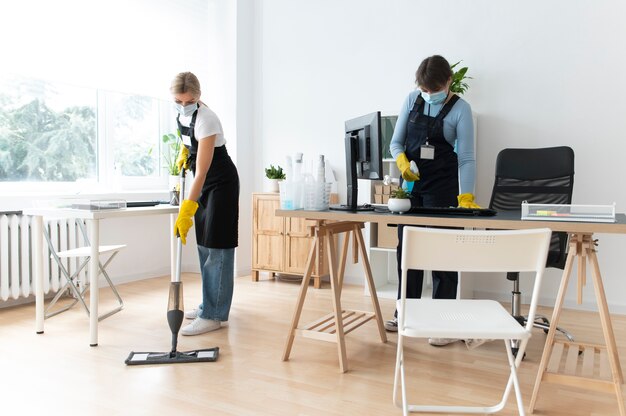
(16, 263)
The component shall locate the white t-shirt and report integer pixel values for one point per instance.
(207, 124)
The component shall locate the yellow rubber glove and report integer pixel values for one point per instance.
(467, 201)
(183, 158)
(405, 168)
(184, 221)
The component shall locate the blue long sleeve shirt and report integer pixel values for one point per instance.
(458, 130)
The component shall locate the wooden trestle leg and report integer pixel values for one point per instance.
(334, 326)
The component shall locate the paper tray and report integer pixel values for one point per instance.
(568, 212)
(82, 203)
(98, 204)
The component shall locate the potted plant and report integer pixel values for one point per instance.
(458, 85)
(399, 201)
(272, 176)
(172, 143)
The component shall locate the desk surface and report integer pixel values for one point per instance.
(502, 220)
(105, 213)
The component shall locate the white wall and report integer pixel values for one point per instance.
(545, 74)
(131, 46)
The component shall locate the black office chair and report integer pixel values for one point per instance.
(537, 176)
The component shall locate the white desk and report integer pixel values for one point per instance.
(93, 226)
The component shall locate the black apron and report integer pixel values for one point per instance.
(439, 177)
(217, 217)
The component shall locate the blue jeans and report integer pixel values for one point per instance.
(217, 268)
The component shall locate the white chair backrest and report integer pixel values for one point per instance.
(475, 250)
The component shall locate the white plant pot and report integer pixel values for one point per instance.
(399, 206)
(270, 185)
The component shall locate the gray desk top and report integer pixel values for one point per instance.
(502, 221)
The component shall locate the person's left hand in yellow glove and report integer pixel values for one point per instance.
(467, 201)
(183, 158)
(184, 221)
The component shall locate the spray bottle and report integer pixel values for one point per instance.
(409, 185)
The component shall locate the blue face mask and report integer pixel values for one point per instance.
(435, 97)
(187, 110)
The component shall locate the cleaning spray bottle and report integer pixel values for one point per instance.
(408, 186)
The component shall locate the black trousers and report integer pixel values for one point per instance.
(444, 283)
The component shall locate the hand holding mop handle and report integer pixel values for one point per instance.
(179, 242)
(175, 308)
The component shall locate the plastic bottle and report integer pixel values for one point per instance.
(321, 170)
(321, 199)
(289, 169)
(415, 170)
(297, 167)
(286, 197)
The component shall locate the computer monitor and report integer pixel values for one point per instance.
(363, 156)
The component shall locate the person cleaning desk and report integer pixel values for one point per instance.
(432, 120)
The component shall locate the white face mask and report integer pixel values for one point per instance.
(187, 110)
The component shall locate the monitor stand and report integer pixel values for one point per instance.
(352, 184)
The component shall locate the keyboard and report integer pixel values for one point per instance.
(135, 204)
(485, 212)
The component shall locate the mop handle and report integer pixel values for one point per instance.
(179, 241)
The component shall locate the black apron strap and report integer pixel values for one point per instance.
(446, 108)
(189, 131)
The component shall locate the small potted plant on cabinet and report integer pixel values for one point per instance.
(272, 176)
(399, 201)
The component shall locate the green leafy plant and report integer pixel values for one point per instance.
(400, 193)
(173, 145)
(274, 173)
(458, 85)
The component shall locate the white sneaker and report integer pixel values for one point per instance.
(392, 325)
(200, 326)
(192, 314)
(440, 342)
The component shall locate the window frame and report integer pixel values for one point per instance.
(106, 180)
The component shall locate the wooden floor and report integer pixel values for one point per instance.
(58, 371)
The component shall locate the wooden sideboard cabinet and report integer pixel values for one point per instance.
(281, 245)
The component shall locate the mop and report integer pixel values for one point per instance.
(175, 315)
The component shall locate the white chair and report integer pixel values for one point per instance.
(467, 251)
(74, 285)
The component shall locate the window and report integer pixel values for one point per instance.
(132, 128)
(47, 132)
(55, 133)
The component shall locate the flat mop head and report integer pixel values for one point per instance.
(195, 356)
